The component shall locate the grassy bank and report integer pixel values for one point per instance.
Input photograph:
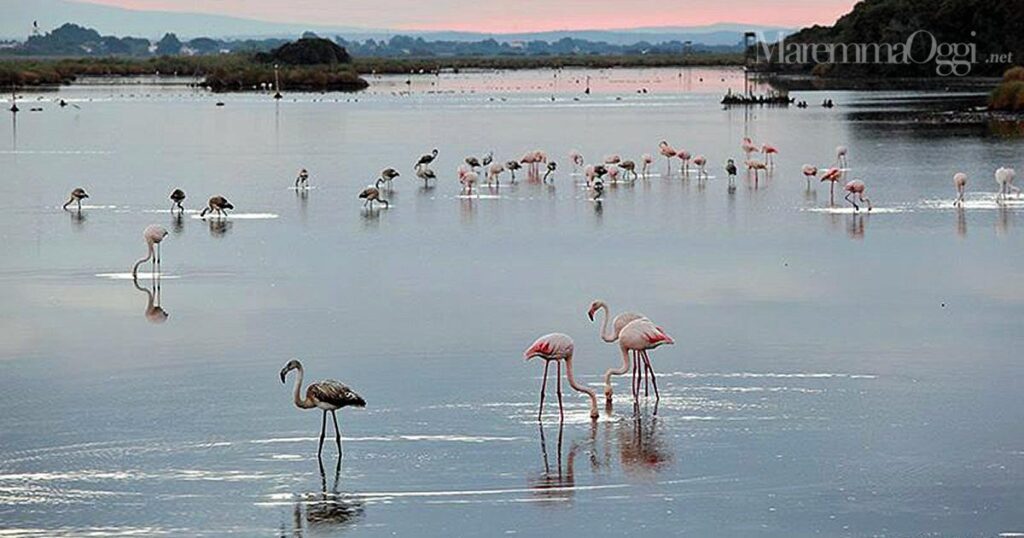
(240, 72)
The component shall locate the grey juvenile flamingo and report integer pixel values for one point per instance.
(77, 196)
(326, 395)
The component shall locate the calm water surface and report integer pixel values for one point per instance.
(834, 374)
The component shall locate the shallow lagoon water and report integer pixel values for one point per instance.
(834, 374)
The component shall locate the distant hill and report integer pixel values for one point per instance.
(17, 17)
(993, 26)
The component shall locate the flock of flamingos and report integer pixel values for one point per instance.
(635, 334)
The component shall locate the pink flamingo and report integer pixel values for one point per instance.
(756, 167)
(638, 337)
(701, 162)
(559, 348)
(577, 159)
(769, 153)
(684, 156)
(1005, 177)
(153, 235)
(841, 153)
(960, 182)
(612, 159)
(809, 172)
(618, 324)
(832, 175)
(856, 187)
(748, 146)
(668, 152)
(613, 174)
(646, 159)
(468, 178)
(494, 173)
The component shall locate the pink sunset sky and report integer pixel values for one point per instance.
(509, 15)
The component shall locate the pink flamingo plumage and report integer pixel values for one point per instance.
(668, 152)
(809, 172)
(611, 336)
(685, 157)
(468, 178)
(856, 187)
(612, 159)
(646, 159)
(638, 337)
(701, 163)
(841, 153)
(960, 182)
(559, 348)
(1004, 178)
(748, 146)
(769, 153)
(756, 167)
(576, 158)
(832, 175)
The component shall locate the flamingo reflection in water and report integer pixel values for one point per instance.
(558, 485)
(326, 510)
(154, 312)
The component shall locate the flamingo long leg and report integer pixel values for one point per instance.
(543, 387)
(654, 378)
(323, 430)
(558, 384)
(337, 432)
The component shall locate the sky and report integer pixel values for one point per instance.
(496, 16)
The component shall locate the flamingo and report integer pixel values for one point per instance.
(667, 152)
(809, 171)
(177, 197)
(960, 182)
(856, 187)
(701, 162)
(577, 159)
(756, 167)
(1005, 177)
(326, 395)
(512, 166)
(473, 162)
(832, 175)
(552, 166)
(841, 153)
(468, 178)
(302, 179)
(427, 159)
(370, 195)
(488, 159)
(77, 196)
(685, 157)
(388, 175)
(559, 348)
(612, 159)
(748, 146)
(629, 167)
(730, 169)
(494, 173)
(638, 337)
(153, 235)
(426, 174)
(769, 153)
(647, 159)
(613, 174)
(618, 324)
(154, 312)
(217, 205)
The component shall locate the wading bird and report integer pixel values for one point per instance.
(612, 159)
(1004, 178)
(856, 187)
(809, 171)
(559, 348)
(647, 159)
(756, 167)
(77, 196)
(302, 179)
(217, 205)
(371, 195)
(832, 175)
(960, 183)
(427, 159)
(618, 324)
(177, 197)
(327, 395)
(576, 158)
(638, 337)
(629, 167)
(153, 235)
(426, 174)
(667, 152)
(730, 169)
(748, 146)
(512, 166)
(388, 175)
(701, 163)
(684, 156)
(468, 178)
(494, 173)
(769, 153)
(841, 153)
(552, 166)
(473, 162)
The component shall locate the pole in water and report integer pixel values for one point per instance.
(277, 83)
(14, 99)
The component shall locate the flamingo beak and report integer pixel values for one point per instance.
(284, 372)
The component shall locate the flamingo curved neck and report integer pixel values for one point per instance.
(301, 402)
(622, 370)
(149, 256)
(580, 388)
(605, 335)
